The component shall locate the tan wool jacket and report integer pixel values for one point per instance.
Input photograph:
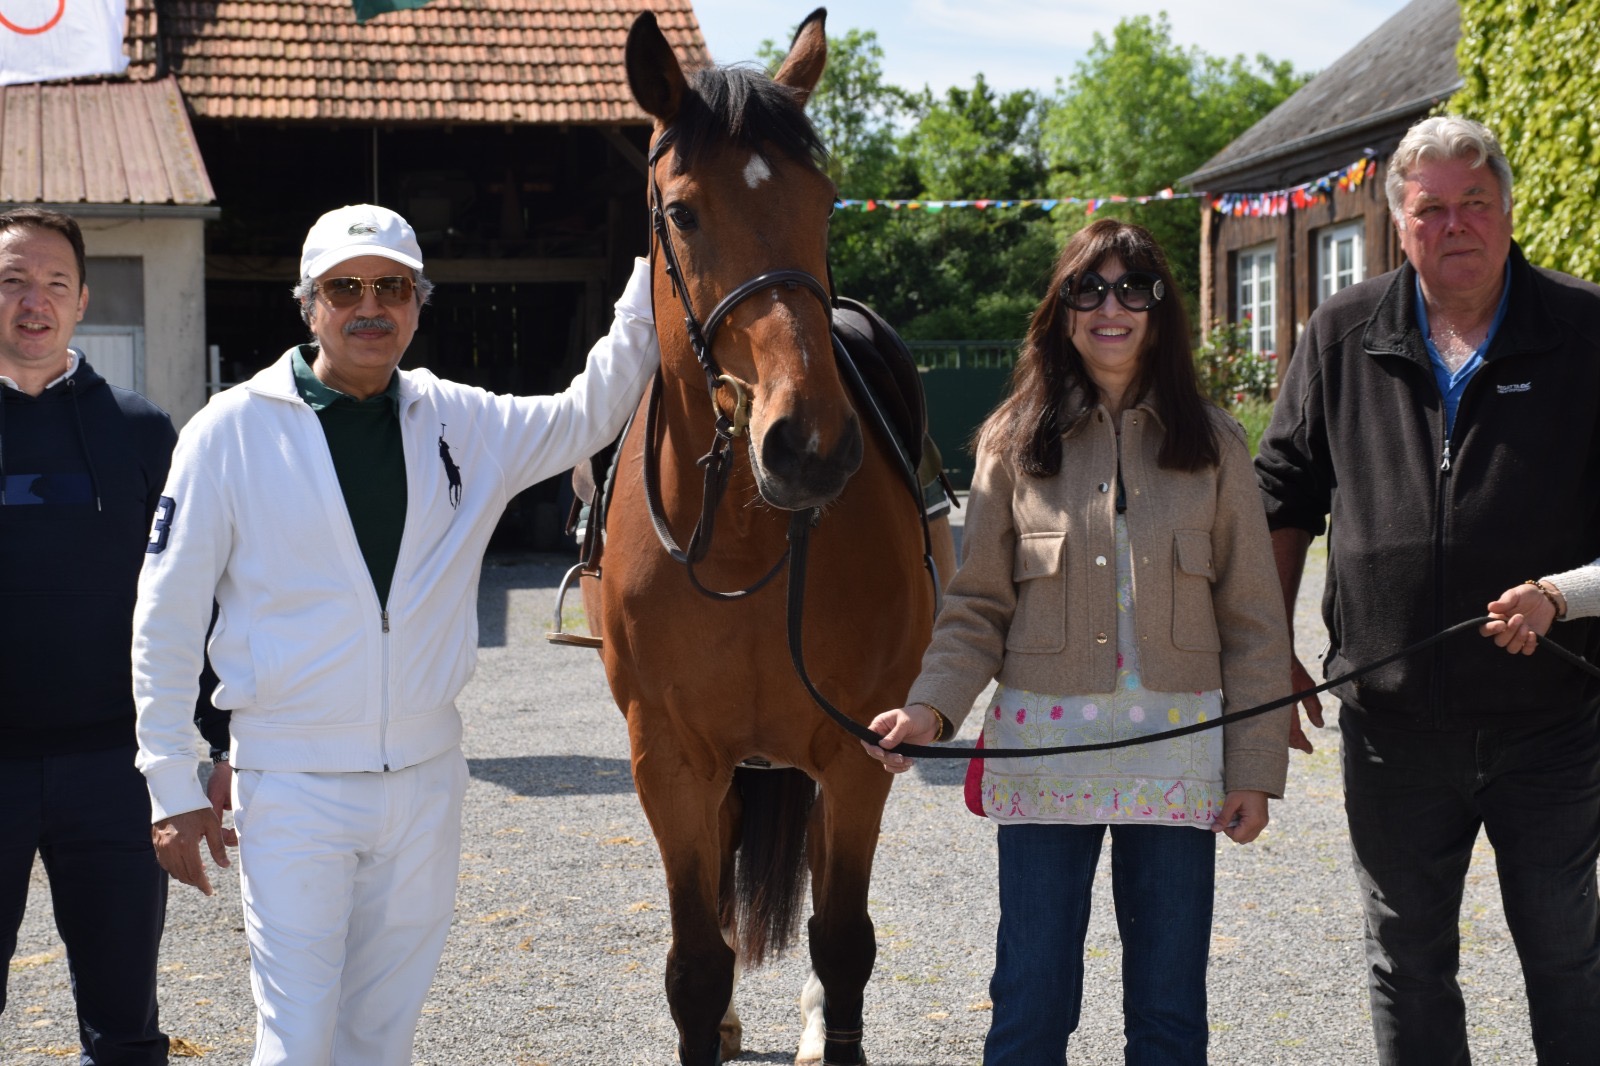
(1034, 602)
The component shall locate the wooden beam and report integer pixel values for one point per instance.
(282, 270)
(625, 148)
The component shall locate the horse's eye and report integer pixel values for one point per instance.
(682, 217)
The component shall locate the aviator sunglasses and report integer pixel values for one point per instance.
(1136, 290)
(391, 291)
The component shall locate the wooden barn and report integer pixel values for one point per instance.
(1279, 248)
(504, 132)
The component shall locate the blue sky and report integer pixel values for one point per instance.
(1027, 44)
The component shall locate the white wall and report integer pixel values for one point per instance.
(173, 250)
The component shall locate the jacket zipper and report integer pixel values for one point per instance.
(1441, 516)
(383, 706)
(1436, 682)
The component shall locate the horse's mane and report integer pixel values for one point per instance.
(741, 107)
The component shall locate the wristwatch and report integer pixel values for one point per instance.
(219, 756)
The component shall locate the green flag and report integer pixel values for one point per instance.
(366, 9)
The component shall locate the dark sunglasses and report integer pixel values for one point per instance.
(1136, 290)
(391, 291)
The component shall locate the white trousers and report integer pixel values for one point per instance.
(349, 885)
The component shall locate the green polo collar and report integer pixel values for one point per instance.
(320, 397)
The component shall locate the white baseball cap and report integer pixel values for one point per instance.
(356, 230)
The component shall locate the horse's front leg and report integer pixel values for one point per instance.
(684, 810)
(843, 837)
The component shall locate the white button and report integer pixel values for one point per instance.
(1099, 638)
(1099, 560)
(1105, 487)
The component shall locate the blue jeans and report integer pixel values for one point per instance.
(1162, 880)
(1415, 801)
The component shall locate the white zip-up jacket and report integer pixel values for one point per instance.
(318, 676)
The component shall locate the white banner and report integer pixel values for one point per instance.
(45, 39)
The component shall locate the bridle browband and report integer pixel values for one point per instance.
(717, 462)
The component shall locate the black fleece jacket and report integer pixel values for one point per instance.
(81, 467)
(1427, 528)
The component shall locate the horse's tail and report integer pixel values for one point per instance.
(770, 868)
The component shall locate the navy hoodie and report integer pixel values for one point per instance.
(81, 469)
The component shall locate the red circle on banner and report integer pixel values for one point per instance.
(61, 9)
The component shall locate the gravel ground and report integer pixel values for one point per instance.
(560, 935)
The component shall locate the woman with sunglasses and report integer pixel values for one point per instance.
(1117, 579)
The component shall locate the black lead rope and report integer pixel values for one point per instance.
(799, 533)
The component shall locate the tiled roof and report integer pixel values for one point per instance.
(99, 142)
(1383, 84)
(538, 61)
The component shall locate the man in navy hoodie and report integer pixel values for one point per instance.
(81, 468)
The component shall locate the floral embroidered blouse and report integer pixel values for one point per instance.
(1177, 782)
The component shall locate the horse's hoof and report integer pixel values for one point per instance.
(732, 1039)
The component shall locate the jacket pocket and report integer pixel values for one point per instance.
(1039, 623)
(1194, 620)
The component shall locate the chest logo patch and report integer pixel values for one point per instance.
(1526, 386)
(451, 471)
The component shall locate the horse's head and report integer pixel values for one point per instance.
(736, 194)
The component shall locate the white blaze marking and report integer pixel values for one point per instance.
(756, 172)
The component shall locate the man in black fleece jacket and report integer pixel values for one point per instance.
(1447, 417)
(81, 468)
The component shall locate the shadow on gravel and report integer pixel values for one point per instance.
(503, 572)
(944, 771)
(555, 775)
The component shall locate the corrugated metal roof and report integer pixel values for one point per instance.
(537, 61)
(100, 143)
(1391, 78)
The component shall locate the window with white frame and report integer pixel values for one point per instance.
(1341, 258)
(1256, 271)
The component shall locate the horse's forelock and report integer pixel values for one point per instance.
(740, 107)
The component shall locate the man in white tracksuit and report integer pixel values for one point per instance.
(337, 510)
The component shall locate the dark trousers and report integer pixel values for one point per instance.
(88, 817)
(1415, 802)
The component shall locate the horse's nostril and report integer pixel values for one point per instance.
(791, 455)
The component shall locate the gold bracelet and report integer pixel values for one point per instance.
(940, 720)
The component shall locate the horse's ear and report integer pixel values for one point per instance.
(654, 74)
(802, 67)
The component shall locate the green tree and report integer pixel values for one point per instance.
(1531, 72)
(855, 112)
(1141, 111)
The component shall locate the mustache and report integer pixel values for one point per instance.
(368, 323)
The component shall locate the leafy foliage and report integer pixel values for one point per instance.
(1531, 72)
(1139, 113)
(1230, 373)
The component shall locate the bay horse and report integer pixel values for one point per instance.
(740, 210)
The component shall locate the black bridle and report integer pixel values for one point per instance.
(717, 462)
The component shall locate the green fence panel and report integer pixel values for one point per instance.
(963, 381)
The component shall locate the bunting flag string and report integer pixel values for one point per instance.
(1275, 203)
(1091, 204)
(1240, 204)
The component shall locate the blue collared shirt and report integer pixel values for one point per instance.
(1453, 383)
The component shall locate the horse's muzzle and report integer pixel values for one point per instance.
(794, 474)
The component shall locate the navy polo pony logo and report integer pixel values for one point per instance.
(451, 470)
